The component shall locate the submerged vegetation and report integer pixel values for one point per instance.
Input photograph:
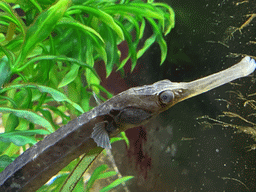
(48, 53)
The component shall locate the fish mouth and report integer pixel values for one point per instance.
(245, 67)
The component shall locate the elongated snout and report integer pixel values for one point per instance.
(185, 90)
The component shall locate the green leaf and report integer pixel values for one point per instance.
(103, 16)
(138, 10)
(6, 17)
(5, 160)
(163, 47)
(111, 48)
(142, 28)
(116, 183)
(3, 147)
(85, 103)
(107, 174)
(58, 112)
(70, 23)
(55, 183)
(135, 25)
(23, 98)
(78, 172)
(101, 50)
(37, 5)
(70, 76)
(131, 45)
(146, 45)
(74, 92)
(95, 175)
(47, 115)
(159, 39)
(58, 58)
(42, 27)
(90, 77)
(57, 95)
(16, 19)
(4, 70)
(11, 48)
(79, 186)
(124, 61)
(109, 95)
(21, 138)
(30, 116)
(123, 135)
(170, 17)
(11, 123)
(115, 139)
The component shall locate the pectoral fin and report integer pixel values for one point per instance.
(100, 135)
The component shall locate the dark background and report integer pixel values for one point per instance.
(176, 151)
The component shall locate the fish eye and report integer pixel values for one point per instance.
(166, 97)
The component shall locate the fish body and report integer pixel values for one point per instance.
(91, 132)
